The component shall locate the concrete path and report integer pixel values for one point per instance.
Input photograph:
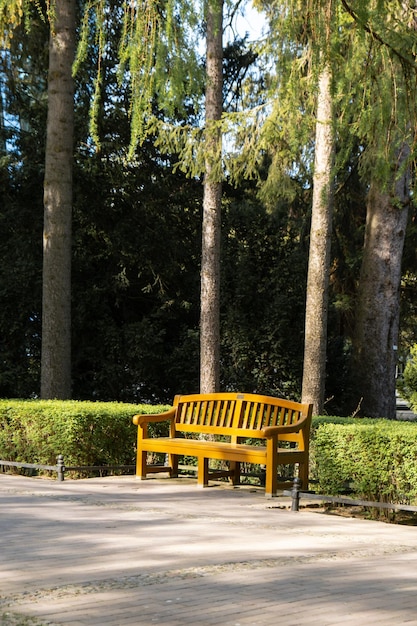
(117, 551)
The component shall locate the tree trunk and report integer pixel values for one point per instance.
(319, 256)
(3, 146)
(56, 296)
(210, 256)
(378, 300)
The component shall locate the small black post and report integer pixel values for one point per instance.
(60, 467)
(295, 494)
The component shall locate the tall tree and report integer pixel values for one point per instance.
(378, 303)
(315, 348)
(376, 113)
(56, 296)
(2, 131)
(315, 342)
(303, 45)
(390, 32)
(210, 256)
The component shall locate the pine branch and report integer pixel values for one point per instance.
(368, 28)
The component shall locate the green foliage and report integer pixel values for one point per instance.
(376, 89)
(240, 124)
(264, 269)
(407, 384)
(374, 83)
(377, 459)
(135, 310)
(15, 12)
(86, 433)
(21, 212)
(135, 275)
(157, 57)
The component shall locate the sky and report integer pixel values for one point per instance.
(252, 22)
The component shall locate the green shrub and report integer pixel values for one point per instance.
(86, 433)
(407, 383)
(377, 459)
(412, 399)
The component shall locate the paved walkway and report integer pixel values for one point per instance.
(117, 551)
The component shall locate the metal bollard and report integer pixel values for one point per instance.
(60, 467)
(295, 494)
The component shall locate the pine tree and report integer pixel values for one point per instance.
(315, 342)
(388, 127)
(210, 256)
(56, 277)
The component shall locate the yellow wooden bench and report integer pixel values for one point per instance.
(196, 421)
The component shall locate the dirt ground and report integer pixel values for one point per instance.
(406, 518)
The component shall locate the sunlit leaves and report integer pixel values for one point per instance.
(157, 51)
(371, 48)
(15, 12)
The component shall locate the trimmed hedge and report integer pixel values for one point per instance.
(86, 433)
(375, 458)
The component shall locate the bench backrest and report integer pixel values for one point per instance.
(236, 414)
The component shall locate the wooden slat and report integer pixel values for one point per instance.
(232, 410)
(270, 418)
(268, 415)
(275, 417)
(228, 410)
(245, 417)
(264, 416)
(223, 414)
(200, 413)
(219, 414)
(219, 421)
(215, 420)
(185, 412)
(209, 413)
(294, 416)
(256, 415)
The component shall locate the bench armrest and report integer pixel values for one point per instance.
(271, 431)
(141, 420)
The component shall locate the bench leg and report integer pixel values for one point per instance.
(173, 465)
(303, 475)
(141, 466)
(203, 472)
(235, 469)
(271, 479)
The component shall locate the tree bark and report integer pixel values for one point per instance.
(56, 295)
(378, 300)
(314, 369)
(210, 257)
